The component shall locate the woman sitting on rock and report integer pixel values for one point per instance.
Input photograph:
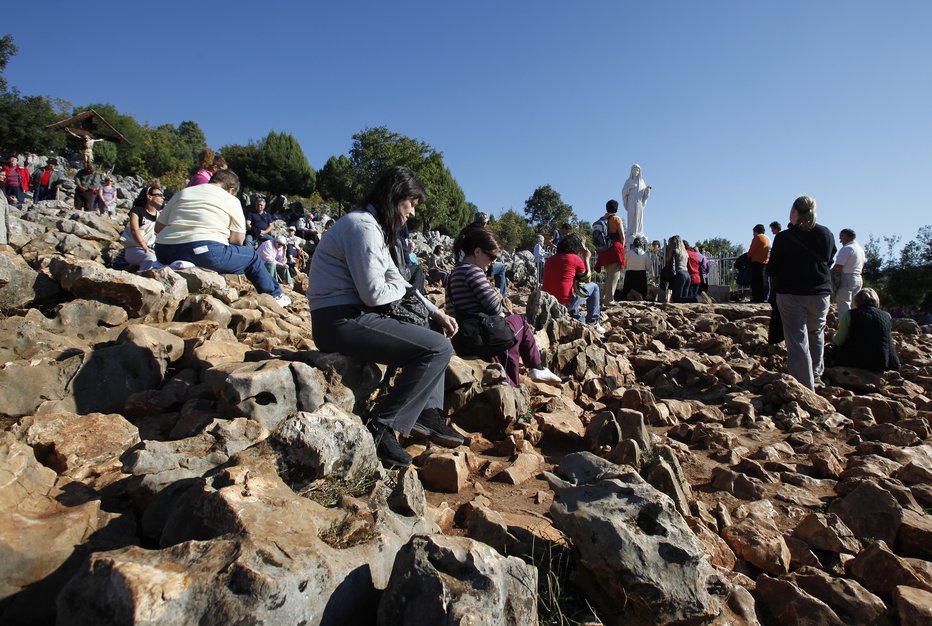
(469, 293)
(863, 337)
(139, 235)
(353, 286)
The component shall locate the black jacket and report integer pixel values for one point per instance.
(869, 344)
(801, 261)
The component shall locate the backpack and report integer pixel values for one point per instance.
(600, 237)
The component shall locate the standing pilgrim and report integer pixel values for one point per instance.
(634, 195)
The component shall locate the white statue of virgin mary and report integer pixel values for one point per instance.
(634, 195)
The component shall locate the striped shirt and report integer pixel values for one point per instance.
(469, 291)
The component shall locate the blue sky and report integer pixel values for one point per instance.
(731, 108)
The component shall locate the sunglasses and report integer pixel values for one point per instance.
(493, 256)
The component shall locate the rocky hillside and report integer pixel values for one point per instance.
(174, 450)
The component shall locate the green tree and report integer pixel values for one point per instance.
(244, 159)
(23, 121)
(7, 50)
(546, 211)
(376, 149)
(720, 247)
(512, 231)
(192, 137)
(336, 182)
(284, 166)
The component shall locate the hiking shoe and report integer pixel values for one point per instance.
(283, 300)
(598, 328)
(544, 375)
(387, 447)
(431, 425)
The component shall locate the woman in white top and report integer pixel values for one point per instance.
(354, 285)
(637, 260)
(139, 235)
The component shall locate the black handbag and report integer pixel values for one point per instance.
(483, 335)
(408, 309)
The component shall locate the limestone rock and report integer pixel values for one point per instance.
(31, 517)
(782, 602)
(455, 580)
(514, 533)
(848, 599)
(827, 532)
(636, 554)
(445, 471)
(758, 542)
(871, 512)
(913, 606)
(142, 297)
(881, 571)
(327, 442)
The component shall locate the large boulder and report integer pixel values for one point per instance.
(456, 580)
(150, 298)
(637, 556)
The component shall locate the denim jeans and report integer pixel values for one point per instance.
(804, 332)
(850, 285)
(498, 277)
(223, 259)
(592, 300)
(680, 287)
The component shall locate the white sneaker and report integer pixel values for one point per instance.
(598, 328)
(544, 376)
(283, 300)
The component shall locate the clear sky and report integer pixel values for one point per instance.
(732, 108)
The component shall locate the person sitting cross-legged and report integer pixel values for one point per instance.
(566, 276)
(470, 293)
(204, 225)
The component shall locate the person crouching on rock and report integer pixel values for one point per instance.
(469, 294)
(204, 225)
(363, 308)
(139, 235)
(863, 337)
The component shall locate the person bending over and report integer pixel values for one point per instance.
(470, 293)
(204, 225)
(352, 282)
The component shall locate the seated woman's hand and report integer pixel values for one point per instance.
(447, 323)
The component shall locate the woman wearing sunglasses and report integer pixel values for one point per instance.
(139, 235)
(469, 293)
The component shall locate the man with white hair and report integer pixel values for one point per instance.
(849, 262)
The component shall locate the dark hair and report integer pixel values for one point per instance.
(848, 232)
(226, 178)
(612, 206)
(759, 229)
(391, 188)
(777, 225)
(473, 237)
(566, 226)
(572, 243)
(438, 249)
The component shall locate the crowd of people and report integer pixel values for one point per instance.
(366, 285)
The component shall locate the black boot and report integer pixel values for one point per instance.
(431, 425)
(387, 447)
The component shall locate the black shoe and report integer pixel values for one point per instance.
(387, 447)
(432, 426)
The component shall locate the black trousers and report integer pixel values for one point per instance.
(421, 353)
(760, 282)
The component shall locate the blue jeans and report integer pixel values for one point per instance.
(593, 303)
(804, 331)
(680, 287)
(498, 276)
(223, 259)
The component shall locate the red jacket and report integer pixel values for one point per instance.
(23, 176)
(692, 266)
